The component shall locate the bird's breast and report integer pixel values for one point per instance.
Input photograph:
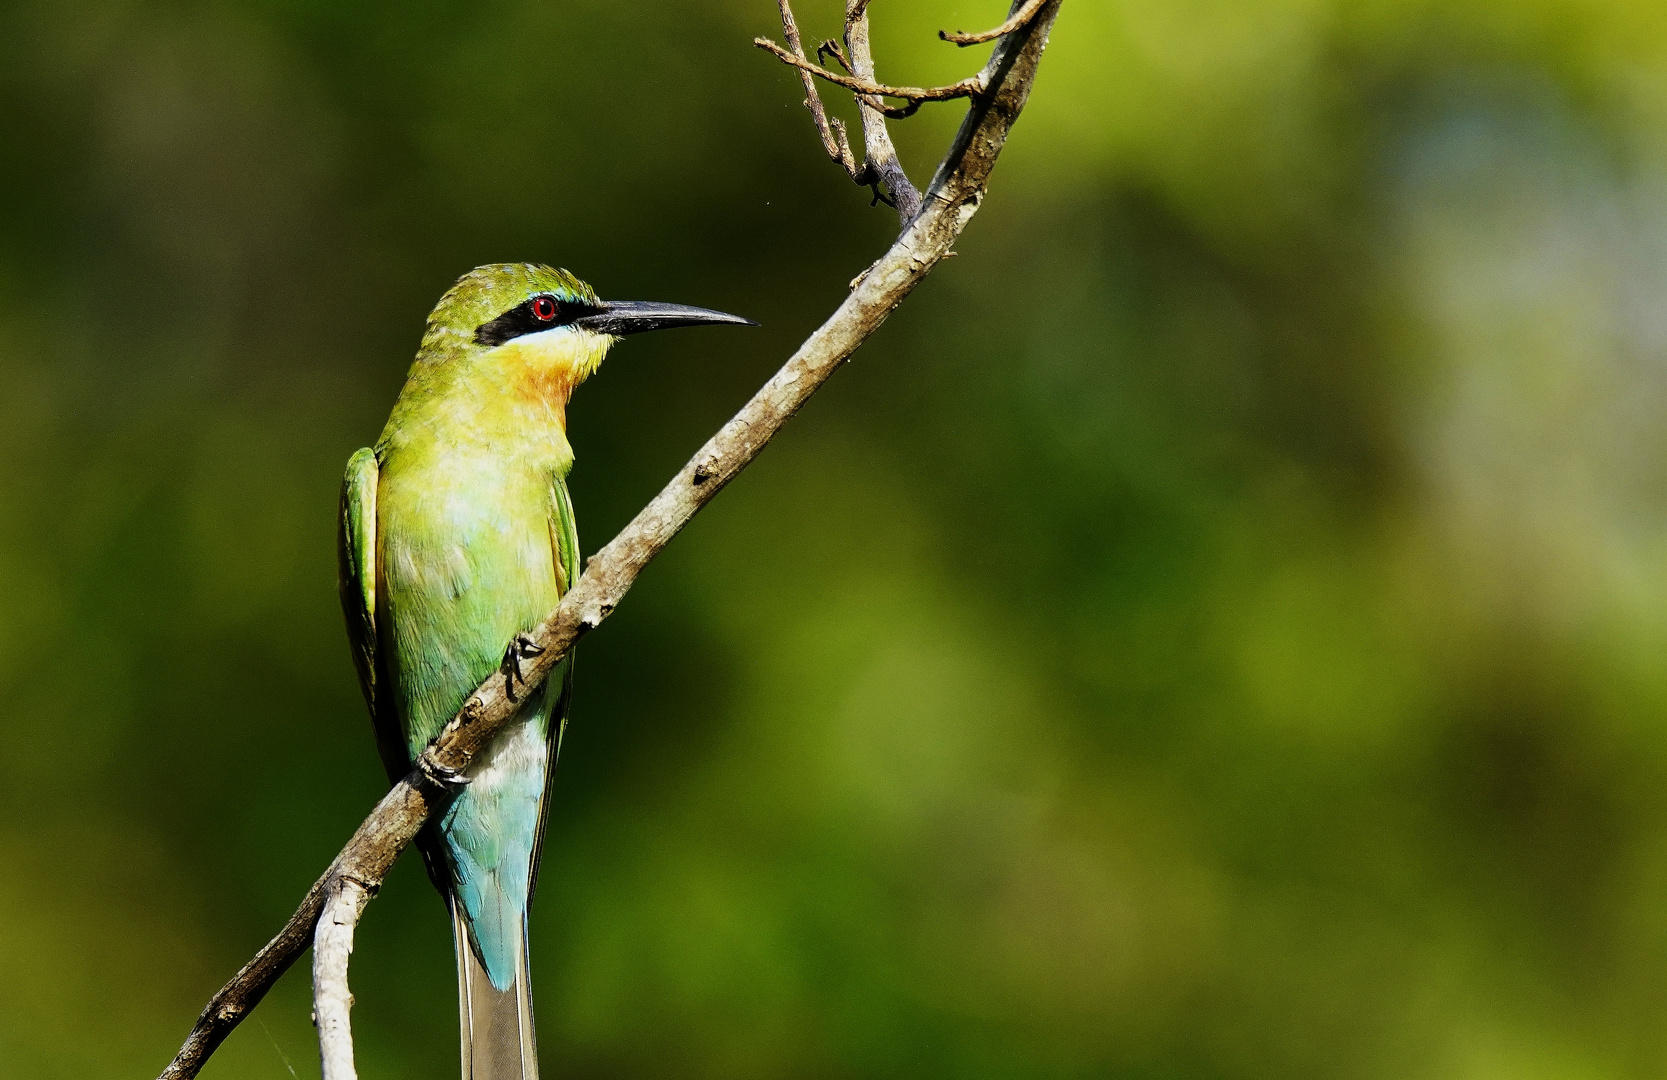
(464, 520)
(466, 561)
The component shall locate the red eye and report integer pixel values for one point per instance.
(544, 309)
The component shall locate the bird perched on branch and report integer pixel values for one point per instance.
(457, 537)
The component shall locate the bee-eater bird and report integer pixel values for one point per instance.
(456, 538)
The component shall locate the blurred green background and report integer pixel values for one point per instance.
(1217, 628)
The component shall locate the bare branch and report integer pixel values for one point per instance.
(1018, 19)
(833, 134)
(881, 155)
(968, 87)
(332, 1001)
(832, 131)
(367, 858)
(880, 162)
(949, 203)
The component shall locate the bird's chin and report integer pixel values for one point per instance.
(562, 356)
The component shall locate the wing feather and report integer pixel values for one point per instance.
(357, 581)
(564, 545)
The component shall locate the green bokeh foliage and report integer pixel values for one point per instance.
(1215, 629)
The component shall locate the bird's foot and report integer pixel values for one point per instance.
(522, 648)
(441, 776)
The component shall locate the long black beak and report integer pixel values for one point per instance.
(621, 317)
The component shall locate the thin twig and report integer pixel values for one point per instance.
(332, 1001)
(876, 138)
(968, 87)
(950, 202)
(833, 134)
(834, 49)
(1019, 18)
(832, 131)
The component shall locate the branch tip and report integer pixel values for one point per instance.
(832, 48)
(1019, 18)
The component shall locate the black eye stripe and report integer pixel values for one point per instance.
(521, 320)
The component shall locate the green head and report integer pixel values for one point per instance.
(544, 317)
(505, 348)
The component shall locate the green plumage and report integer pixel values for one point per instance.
(457, 535)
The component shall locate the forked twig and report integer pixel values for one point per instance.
(1018, 19)
(880, 163)
(832, 132)
(948, 205)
